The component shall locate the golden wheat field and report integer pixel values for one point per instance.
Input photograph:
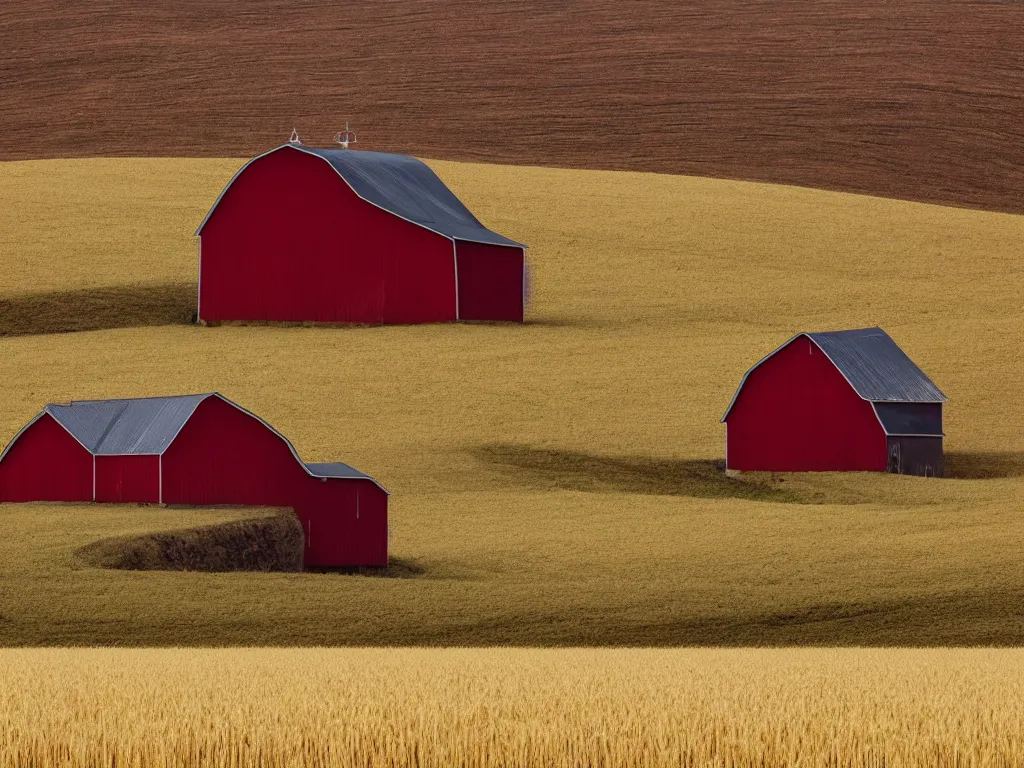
(512, 708)
(554, 483)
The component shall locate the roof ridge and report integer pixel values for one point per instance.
(73, 403)
(847, 331)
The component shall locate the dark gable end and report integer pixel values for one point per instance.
(910, 419)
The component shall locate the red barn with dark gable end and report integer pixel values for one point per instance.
(844, 400)
(197, 450)
(340, 236)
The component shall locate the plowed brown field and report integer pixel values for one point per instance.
(919, 99)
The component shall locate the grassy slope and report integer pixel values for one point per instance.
(915, 99)
(552, 480)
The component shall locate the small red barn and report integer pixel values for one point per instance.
(341, 236)
(844, 400)
(196, 450)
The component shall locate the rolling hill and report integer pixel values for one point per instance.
(919, 99)
(556, 483)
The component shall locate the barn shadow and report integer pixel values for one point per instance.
(967, 465)
(397, 568)
(94, 309)
(581, 321)
(553, 469)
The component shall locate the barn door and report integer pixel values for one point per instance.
(894, 457)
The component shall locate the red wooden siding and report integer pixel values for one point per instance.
(128, 479)
(346, 522)
(490, 282)
(46, 464)
(797, 413)
(291, 241)
(224, 456)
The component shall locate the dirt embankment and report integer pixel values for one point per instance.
(270, 542)
(920, 99)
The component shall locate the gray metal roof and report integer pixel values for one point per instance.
(873, 364)
(126, 427)
(401, 185)
(148, 426)
(335, 469)
(876, 367)
(910, 418)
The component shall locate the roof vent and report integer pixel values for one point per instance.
(294, 138)
(345, 137)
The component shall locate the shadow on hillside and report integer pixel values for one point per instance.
(984, 466)
(577, 471)
(95, 309)
(968, 618)
(570, 321)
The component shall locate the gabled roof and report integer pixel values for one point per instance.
(872, 363)
(335, 469)
(140, 426)
(147, 426)
(398, 184)
(876, 367)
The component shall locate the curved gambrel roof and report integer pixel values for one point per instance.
(398, 184)
(147, 426)
(871, 362)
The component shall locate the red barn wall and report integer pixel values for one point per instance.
(797, 413)
(346, 522)
(291, 241)
(46, 464)
(490, 282)
(224, 456)
(128, 479)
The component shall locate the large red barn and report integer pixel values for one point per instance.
(196, 450)
(844, 400)
(341, 236)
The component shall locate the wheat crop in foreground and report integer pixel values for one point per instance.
(501, 707)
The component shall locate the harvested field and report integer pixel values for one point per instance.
(512, 708)
(919, 99)
(555, 483)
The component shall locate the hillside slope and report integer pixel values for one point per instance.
(919, 99)
(554, 483)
